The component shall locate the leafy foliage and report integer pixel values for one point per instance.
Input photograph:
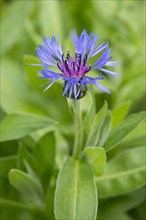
(35, 150)
(75, 183)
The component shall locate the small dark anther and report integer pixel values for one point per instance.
(79, 58)
(63, 58)
(89, 67)
(73, 66)
(84, 62)
(86, 55)
(58, 64)
(78, 68)
(68, 55)
(80, 61)
(66, 65)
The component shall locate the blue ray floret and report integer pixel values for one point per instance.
(73, 70)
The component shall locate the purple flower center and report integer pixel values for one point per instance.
(75, 68)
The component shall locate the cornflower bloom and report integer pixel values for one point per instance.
(73, 70)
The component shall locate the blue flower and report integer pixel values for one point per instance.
(73, 70)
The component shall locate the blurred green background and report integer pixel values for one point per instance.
(23, 25)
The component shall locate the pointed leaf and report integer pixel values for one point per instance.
(136, 137)
(105, 129)
(75, 196)
(26, 184)
(45, 155)
(120, 113)
(18, 125)
(25, 159)
(96, 126)
(88, 119)
(123, 129)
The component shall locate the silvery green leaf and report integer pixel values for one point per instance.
(27, 185)
(89, 116)
(76, 195)
(18, 125)
(120, 132)
(94, 132)
(105, 129)
(44, 154)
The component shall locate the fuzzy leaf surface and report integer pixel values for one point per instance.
(76, 196)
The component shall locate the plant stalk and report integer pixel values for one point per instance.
(78, 128)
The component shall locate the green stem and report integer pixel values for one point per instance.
(78, 128)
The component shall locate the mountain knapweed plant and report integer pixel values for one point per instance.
(72, 194)
(73, 71)
(34, 149)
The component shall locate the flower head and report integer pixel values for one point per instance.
(73, 70)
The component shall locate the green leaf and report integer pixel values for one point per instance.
(18, 125)
(126, 92)
(124, 173)
(25, 157)
(105, 129)
(32, 31)
(13, 23)
(26, 184)
(7, 163)
(75, 196)
(50, 194)
(90, 114)
(29, 141)
(136, 137)
(6, 204)
(120, 113)
(62, 149)
(33, 72)
(96, 158)
(14, 78)
(93, 135)
(123, 129)
(13, 209)
(47, 10)
(122, 204)
(16, 83)
(45, 155)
